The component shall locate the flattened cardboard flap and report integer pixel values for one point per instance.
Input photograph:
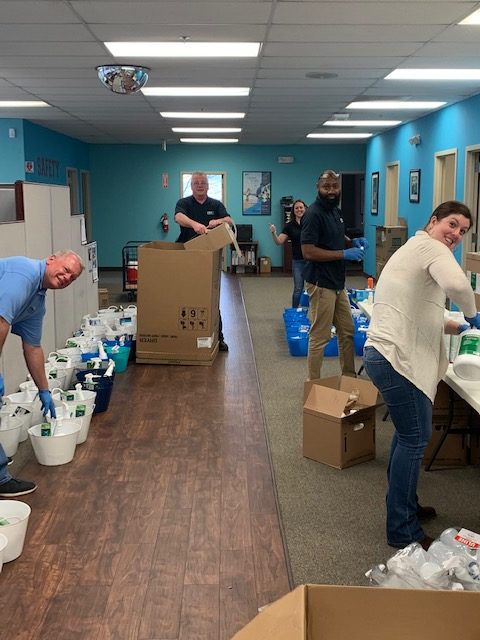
(284, 619)
(324, 401)
(369, 395)
(215, 239)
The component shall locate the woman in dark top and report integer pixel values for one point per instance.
(291, 231)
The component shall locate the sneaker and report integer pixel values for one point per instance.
(14, 488)
(222, 346)
(426, 513)
(10, 460)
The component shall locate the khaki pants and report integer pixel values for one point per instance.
(329, 307)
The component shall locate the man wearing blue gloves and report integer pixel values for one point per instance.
(23, 286)
(325, 247)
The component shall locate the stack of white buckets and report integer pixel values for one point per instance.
(21, 417)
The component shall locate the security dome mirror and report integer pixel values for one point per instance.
(123, 78)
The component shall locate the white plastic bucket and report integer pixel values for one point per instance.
(29, 401)
(86, 398)
(3, 544)
(64, 364)
(59, 448)
(10, 432)
(74, 353)
(17, 513)
(467, 362)
(55, 378)
(64, 411)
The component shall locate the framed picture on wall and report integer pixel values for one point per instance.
(374, 193)
(414, 186)
(256, 193)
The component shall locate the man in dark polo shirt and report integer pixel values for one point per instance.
(325, 248)
(198, 213)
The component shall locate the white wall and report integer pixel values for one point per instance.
(48, 227)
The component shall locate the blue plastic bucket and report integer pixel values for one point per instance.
(102, 385)
(332, 347)
(359, 339)
(298, 344)
(120, 357)
(304, 299)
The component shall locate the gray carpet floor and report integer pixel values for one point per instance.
(333, 520)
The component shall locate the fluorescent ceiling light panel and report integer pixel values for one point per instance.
(394, 104)
(340, 135)
(473, 18)
(209, 140)
(361, 123)
(184, 49)
(192, 115)
(8, 104)
(206, 129)
(434, 74)
(196, 91)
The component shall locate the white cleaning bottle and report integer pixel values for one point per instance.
(79, 392)
(101, 351)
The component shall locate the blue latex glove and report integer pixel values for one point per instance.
(354, 254)
(360, 243)
(2, 386)
(47, 403)
(463, 327)
(474, 322)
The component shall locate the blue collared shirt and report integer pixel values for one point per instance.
(22, 299)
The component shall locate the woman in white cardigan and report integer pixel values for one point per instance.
(405, 355)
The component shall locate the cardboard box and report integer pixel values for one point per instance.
(326, 612)
(330, 436)
(379, 267)
(103, 302)
(455, 449)
(264, 265)
(388, 239)
(178, 299)
(472, 267)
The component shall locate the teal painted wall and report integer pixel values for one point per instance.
(454, 127)
(128, 198)
(11, 151)
(52, 153)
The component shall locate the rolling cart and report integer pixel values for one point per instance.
(130, 267)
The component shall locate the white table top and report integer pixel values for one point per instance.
(466, 389)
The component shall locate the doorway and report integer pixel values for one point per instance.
(444, 176)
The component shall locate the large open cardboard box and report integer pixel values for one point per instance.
(323, 612)
(389, 239)
(178, 299)
(330, 436)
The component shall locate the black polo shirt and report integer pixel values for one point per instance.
(323, 227)
(293, 230)
(202, 213)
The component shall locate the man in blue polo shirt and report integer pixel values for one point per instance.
(198, 213)
(325, 248)
(23, 286)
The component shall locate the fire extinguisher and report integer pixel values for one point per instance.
(164, 221)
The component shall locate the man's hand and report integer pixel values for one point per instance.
(200, 229)
(215, 223)
(47, 403)
(354, 254)
(2, 386)
(360, 243)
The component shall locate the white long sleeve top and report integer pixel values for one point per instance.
(407, 322)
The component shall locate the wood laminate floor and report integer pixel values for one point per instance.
(164, 526)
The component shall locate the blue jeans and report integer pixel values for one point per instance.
(297, 271)
(4, 475)
(411, 413)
